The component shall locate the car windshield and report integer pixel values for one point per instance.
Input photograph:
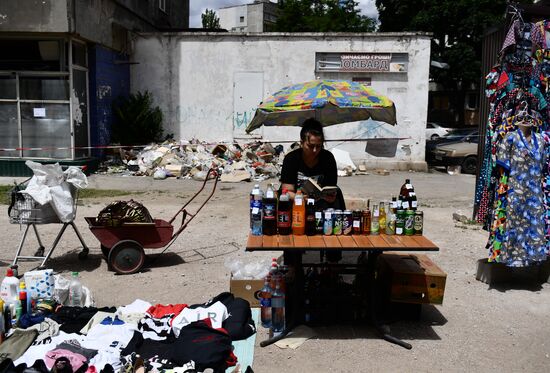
(463, 135)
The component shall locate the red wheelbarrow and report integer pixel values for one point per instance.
(123, 245)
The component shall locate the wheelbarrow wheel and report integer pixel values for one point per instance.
(126, 257)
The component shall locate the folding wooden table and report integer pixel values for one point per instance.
(372, 245)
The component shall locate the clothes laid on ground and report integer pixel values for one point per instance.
(157, 323)
(106, 343)
(73, 319)
(17, 343)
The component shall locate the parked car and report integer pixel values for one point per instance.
(456, 153)
(435, 130)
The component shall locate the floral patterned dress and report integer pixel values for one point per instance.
(523, 239)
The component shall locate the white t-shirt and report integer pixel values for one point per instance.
(216, 312)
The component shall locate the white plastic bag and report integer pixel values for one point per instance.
(51, 185)
(61, 292)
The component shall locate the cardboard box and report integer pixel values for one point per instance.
(412, 278)
(246, 289)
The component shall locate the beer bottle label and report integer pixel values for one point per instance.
(356, 224)
(414, 204)
(398, 230)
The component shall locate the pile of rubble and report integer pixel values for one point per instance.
(255, 161)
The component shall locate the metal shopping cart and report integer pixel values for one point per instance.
(24, 210)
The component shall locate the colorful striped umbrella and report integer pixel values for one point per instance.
(328, 101)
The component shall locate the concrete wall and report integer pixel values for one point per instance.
(255, 17)
(230, 18)
(34, 16)
(107, 21)
(192, 77)
(99, 21)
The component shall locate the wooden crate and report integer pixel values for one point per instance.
(412, 278)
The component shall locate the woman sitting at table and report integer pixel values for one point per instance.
(311, 160)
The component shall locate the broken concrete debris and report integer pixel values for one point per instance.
(253, 161)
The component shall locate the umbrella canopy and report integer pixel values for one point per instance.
(328, 101)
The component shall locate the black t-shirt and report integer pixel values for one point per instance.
(295, 171)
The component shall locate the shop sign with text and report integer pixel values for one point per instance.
(367, 62)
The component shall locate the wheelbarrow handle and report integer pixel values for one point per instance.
(211, 171)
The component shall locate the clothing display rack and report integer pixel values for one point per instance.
(513, 190)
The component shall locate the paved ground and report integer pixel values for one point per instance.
(482, 328)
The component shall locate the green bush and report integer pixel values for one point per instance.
(136, 121)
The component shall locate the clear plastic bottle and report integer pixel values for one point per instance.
(278, 311)
(256, 211)
(255, 191)
(75, 291)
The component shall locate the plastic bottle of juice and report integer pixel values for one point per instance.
(299, 214)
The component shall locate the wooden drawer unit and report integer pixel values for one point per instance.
(412, 278)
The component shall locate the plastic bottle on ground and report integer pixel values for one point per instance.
(278, 311)
(75, 291)
(265, 304)
(9, 290)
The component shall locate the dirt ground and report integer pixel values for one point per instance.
(479, 327)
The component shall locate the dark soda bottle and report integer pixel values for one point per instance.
(310, 217)
(269, 223)
(284, 214)
(265, 304)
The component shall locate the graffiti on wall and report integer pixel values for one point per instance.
(241, 119)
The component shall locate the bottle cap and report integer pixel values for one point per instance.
(75, 273)
(9, 272)
(22, 285)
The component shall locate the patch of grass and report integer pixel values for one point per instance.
(83, 194)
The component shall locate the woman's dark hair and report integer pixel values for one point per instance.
(312, 127)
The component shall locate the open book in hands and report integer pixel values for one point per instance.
(314, 190)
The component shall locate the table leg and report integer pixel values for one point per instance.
(294, 296)
(382, 329)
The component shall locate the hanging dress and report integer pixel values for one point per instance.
(522, 237)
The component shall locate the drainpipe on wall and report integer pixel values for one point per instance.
(71, 16)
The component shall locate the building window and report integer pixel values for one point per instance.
(162, 5)
(471, 101)
(241, 19)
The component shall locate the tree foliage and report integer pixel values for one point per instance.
(322, 16)
(136, 121)
(210, 20)
(457, 26)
